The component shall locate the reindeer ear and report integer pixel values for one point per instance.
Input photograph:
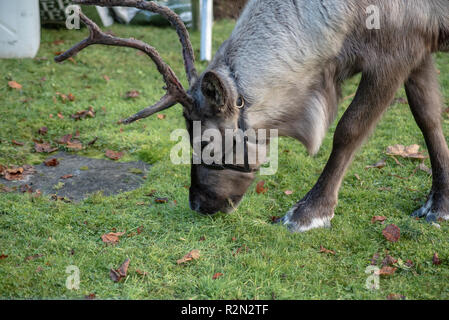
(214, 89)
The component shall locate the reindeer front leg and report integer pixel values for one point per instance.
(374, 95)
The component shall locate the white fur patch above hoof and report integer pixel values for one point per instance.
(316, 223)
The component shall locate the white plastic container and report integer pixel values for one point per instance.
(20, 29)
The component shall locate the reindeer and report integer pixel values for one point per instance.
(282, 68)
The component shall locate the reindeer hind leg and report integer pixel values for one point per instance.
(424, 97)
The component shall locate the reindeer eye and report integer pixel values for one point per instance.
(240, 103)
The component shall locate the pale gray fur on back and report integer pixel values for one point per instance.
(282, 56)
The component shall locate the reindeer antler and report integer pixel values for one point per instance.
(175, 91)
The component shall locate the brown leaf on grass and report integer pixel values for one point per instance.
(67, 176)
(288, 192)
(161, 200)
(64, 139)
(436, 260)
(60, 116)
(44, 148)
(106, 78)
(33, 257)
(17, 173)
(26, 189)
(324, 250)
(58, 42)
(132, 94)
(392, 233)
(161, 116)
(15, 85)
(17, 143)
(374, 259)
(120, 273)
(409, 152)
(381, 219)
(387, 271)
(90, 112)
(389, 261)
(74, 145)
(142, 273)
(114, 155)
(217, 275)
(71, 97)
(43, 131)
(52, 162)
(112, 237)
(379, 165)
(90, 296)
(55, 197)
(192, 255)
(260, 187)
(243, 248)
(3, 256)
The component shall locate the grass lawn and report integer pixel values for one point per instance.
(277, 264)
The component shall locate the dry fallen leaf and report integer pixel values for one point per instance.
(436, 260)
(389, 261)
(120, 273)
(3, 256)
(260, 187)
(324, 250)
(34, 256)
(161, 116)
(217, 275)
(192, 255)
(381, 219)
(113, 155)
(43, 131)
(90, 112)
(243, 248)
(387, 271)
(410, 152)
(288, 192)
(112, 237)
(16, 173)
(67, 176)
(392, 233)
(132, 94)
(378, 165)
(142, 273)
(374, 259)
(14, 85)
(44, 147)
(74, 145)
(161, 200)
(17, 143)
(52, 162)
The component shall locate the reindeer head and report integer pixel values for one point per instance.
(212, 101)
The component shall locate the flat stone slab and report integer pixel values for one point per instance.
(89, 176)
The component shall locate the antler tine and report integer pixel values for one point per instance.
(167, 13)
(175, 90)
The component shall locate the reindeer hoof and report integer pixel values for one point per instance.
(434, 209)
(304, 217)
